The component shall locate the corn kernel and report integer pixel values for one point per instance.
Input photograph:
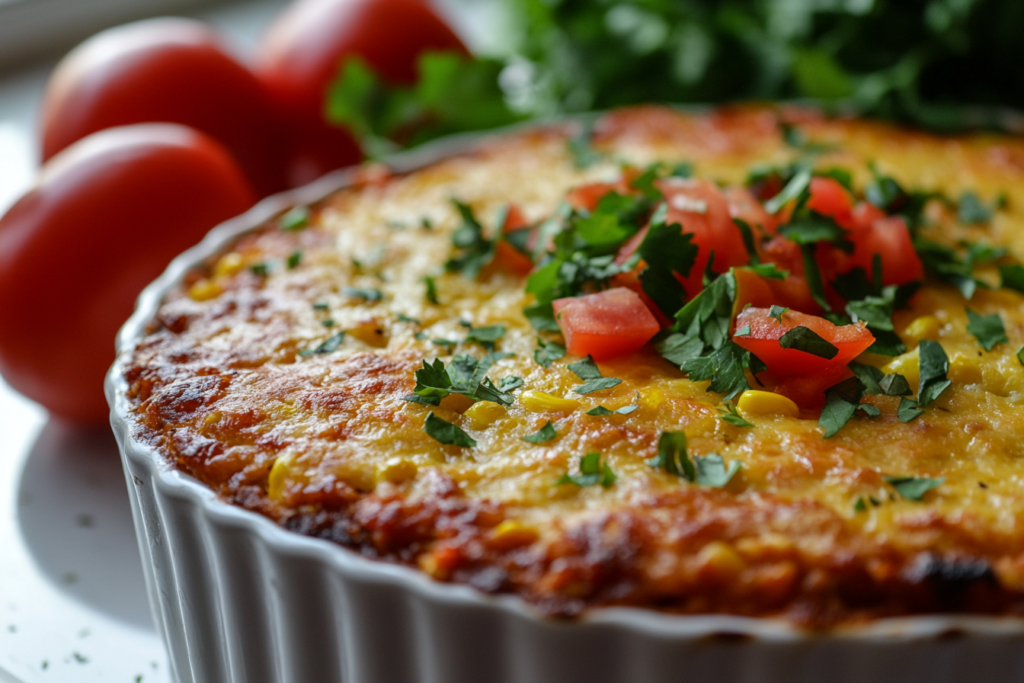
(721, 560)
(204, 290)
(457, 403)
(483, 414)
(278, 479)
(539, 402)
(229, 264)
(512, 534)
(653, 399)
(906, 364)
(925, 327)
(397, 470)
(965, 368)
(753, 402)
(371, 333)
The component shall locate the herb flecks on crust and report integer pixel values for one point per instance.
(434, 431)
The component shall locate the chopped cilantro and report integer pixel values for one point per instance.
(807, 340)
(971, 210)
(914, 488)
(588, 371)
(294, 259)
(465, 375)
(987, 329)
(895, 385)
(327, 322)
(447, 433)
(933, 364)
(796, 187)
(944, 263)
(712, 472)
(742, 332)
(447, 343)
(1012, 277)
(908, 410)
(708, 470)
(592, 471)
(507, 384)
(486, 336)
(431, 291)
(362, 293)
(548, 352)
(748, 240)
(777, 312)
(321, 306)
(473, 250)
(1020, 355)
(403, 318)
(602, 411)
(812, 229)
(329, 346)
(542, 435)
(730, 415)
(260, 269)
(295, 219)
(841, 403)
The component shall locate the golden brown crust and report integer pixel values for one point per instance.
(220, 389)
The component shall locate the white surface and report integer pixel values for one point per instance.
(72, 600)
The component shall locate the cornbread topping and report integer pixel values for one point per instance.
(752, 361)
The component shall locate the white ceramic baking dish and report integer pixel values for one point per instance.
(238, 598)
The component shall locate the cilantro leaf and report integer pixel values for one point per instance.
(294, 259)
(725, 369)
(548, 352)
(945, 264)
(679, 348)
(813, 229)
(585, 368)
(730, 415)
(777, 312)
(672, 456)
(1020, 355)
(841, 403)
(807, 340)
(507, 384)
(812, 275)
(748, 240)
(431, 291)
(666, 250)
(971, 210)
(796, 187)
(473, 250)
(599, 384)
(602, 411)
(542, 435)
(895, 385)
(329, 346)
(987, 329)
(914, 488)
(362, 293)
(1012, 277)
(445, 432)
(933, 364)
(712, 472)
(486, 336)
(294, 220)
(908, 410)
(464, 375)
(592, 471)
(869, 376)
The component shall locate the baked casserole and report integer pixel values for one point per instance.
(751, 361)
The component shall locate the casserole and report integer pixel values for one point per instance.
(243, 599)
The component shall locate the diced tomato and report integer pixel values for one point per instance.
(890, 239)
(808, 391)
(605, 325)
(751, 290)
(792, 292)
(830, 198)
(744, 205)
(765, 332)
(631, 280)
(866, 214)
(505, 254)
(586, 197)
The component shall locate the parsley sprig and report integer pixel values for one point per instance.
(465, 375)
(709, 470)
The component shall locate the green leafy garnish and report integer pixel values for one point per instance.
(807, 340)
(602, 411)
(842, 402)
(709, 470)
(895, 385)
(473, 249)
(542, 435)
(908, 410)
(465, 375)
(445, 432)
(794, 188)
(971, 210)
(507, 384)
(592, 471)
(914, 488)
(1020, 355)
(486, 336)
(260, 269)
(1011, 276)
(548, 352)
(588, 371)
(777, 312)
(730, 415)
(987, 329)
(403, 318)
(294, 220)
(933, 364)
(293, 260)
(366, 294)
(329, 346)
(431, 291)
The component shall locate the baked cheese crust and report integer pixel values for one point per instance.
(325, 444)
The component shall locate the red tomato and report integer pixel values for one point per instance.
(611, 323)
(304, 48)
(744, 205)
(508, 256)
(765, 332)
(808, 391)
(165, 70)
(830, 198)
(890, 239)
(105, 217)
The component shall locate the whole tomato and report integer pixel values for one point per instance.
(165, 70)
(104, 219)
(301, 54)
